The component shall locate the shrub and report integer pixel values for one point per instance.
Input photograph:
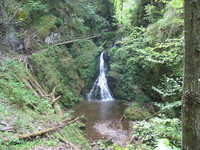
(150, 132)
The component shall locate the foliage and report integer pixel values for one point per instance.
(122, 12)
(125, 67)
(136, 112)
(171, 25)
(142, 59)
(36, 8)
(152, 14)
(84, 54)
(157, 128)
(88, 13)
(170, 89)
(165, 144)
(45, 24)
(170, 109)
(13, 89)
(55, 68)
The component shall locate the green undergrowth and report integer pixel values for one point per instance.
(84, 54)
(160, 130)
(44, 25)
(148, 134)
(35, 20)
(12, 73)
(149, 51)
(136, 112)
(26, 121)
(69, 70)
(55, 67)
(22, 112)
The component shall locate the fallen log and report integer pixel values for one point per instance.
(37, 133)
(33, 84)
(45, 131)
(42, 132)
(71, 41)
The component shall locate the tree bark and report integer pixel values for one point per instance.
(191, 88)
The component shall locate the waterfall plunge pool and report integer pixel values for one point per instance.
(104, 120)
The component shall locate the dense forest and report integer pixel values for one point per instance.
(50, 54)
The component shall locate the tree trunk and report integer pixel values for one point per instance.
(191, 88)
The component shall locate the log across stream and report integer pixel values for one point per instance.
(104, 120)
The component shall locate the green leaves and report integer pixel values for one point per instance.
(169, 87)
(158, 128)
(169, 52)
(17, 92)
(136, 61)
(164, 144)
(152, 14)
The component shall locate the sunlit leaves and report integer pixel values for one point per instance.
(157, 128)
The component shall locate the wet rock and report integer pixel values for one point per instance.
(11, 39)
(29, 41)
(20, 47)
(52, 38)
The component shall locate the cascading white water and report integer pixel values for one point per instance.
(100, 88)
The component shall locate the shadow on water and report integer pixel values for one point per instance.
(104, 120)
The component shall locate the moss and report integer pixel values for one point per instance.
(73, 134)
(21, 15)
(136, 112)
(56, 68)
(24, 120)
(27, 121)
(45, 25)
(84, 54)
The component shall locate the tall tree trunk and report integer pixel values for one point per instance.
(191, 89)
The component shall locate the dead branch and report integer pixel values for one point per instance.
(132, 139)
(30, 86)
(54, 100)
(15, 13)
(70, 145)
(72, 121)
(33, 84)
(152, 116)
(39, 88)
(53, 92)
(122, 117)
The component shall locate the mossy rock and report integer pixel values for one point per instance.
(85, 55)
(55, 67)
(45, 25)
(136, 112)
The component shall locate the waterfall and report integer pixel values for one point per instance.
(100, 88)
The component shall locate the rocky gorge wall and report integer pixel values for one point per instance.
(28, 27)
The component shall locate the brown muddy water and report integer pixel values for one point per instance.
(104, 120)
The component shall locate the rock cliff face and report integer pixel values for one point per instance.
(48, 22)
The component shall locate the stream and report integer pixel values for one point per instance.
(103, 114)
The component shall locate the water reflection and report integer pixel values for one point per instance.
(102, 118)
